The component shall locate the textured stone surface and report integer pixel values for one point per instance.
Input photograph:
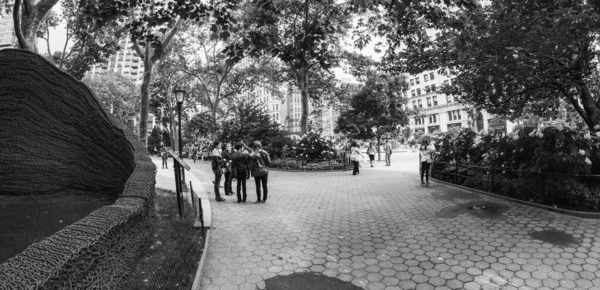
(99, 154)
(55, 136)
(379, 230)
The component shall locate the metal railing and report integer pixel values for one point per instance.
(563, 190)
(199, 211)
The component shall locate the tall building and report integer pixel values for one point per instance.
(125, 62)
(7, 38)
(441, 112)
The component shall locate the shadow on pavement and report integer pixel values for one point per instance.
(556, 238)
(302, 281)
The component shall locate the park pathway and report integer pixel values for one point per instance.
(383, 230)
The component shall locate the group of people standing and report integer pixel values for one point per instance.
(240, 162)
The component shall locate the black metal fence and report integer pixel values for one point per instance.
(567, 191)
(198, 207)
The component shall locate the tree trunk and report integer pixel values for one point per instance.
(144, 106)
(591, 108)
(29, 19)
(302, 78)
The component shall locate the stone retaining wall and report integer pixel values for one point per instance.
(55, 136)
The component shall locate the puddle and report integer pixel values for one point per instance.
(479, 209)
(310, 280)
(452, 195)
(555, 237)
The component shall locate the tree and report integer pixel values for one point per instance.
(27, 16)
(218, 81)
(155, 139)
(305, 35)
(376, 110)
(250, 124)
(510, 57)
(87, 41)
(202, 125)
(163, 103)
(118, 93)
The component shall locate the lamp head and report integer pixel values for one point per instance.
(179, 94)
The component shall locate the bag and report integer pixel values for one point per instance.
(260, 168)
(354, 157)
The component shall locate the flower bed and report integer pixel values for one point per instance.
(311, 165)
(555, 166)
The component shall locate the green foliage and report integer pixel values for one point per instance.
(250, 124)
(314, 146)
(154, 140)
(88, 42)
(201, 125)
(118, 94)
(378, 105)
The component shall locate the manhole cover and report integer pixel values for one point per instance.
(310, 280)
(555, 237)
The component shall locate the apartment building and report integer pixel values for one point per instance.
(125, 62)
(7, 38)
(441, 112)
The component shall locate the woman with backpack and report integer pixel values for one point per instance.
(260, 170)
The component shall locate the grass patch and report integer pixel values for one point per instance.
(25, 220)
(172, 258)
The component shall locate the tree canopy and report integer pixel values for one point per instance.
(250, 124)
(376, 110)
(119, 94)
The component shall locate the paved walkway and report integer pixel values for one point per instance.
(383, 230)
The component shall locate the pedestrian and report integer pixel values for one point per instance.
(165, 157)
(371, 152)
(425, 153)
(355, 156)
(260, 170)
(387, 148)
(240, 169)
(195, 153)
(217, 168)
(227, 166)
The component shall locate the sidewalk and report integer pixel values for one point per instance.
(165, 179)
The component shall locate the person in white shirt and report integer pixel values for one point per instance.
(425, 153)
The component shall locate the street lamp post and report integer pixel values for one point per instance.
(179, 94)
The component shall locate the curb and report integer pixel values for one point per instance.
(198, 277)
(581, 214)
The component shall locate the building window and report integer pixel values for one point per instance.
(454, 115)
(434, 98)
(428, 102)
(414, 104)
(412, 93)
(417, 80)
(418, 92)
(448, 99)
(449, 115)
(433, 118)
(405, 94)
(433, 88)
(431, 76)
(420, 104)
(412, 82)
(425, 78)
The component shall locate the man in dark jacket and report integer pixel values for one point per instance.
(217, 164)
(240, 167)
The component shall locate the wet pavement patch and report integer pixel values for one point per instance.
(480, 209)
(310, 280)
(454, 194)
(555, 237)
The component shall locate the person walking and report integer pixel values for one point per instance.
(387, 148)
(217, 168)
(355, 156)
(239, 167)
(425, 153)
(227, 153)
(371, 152)
(165, 157)
(260, 170)
(195, 153)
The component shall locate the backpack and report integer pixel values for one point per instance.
(260, 166)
